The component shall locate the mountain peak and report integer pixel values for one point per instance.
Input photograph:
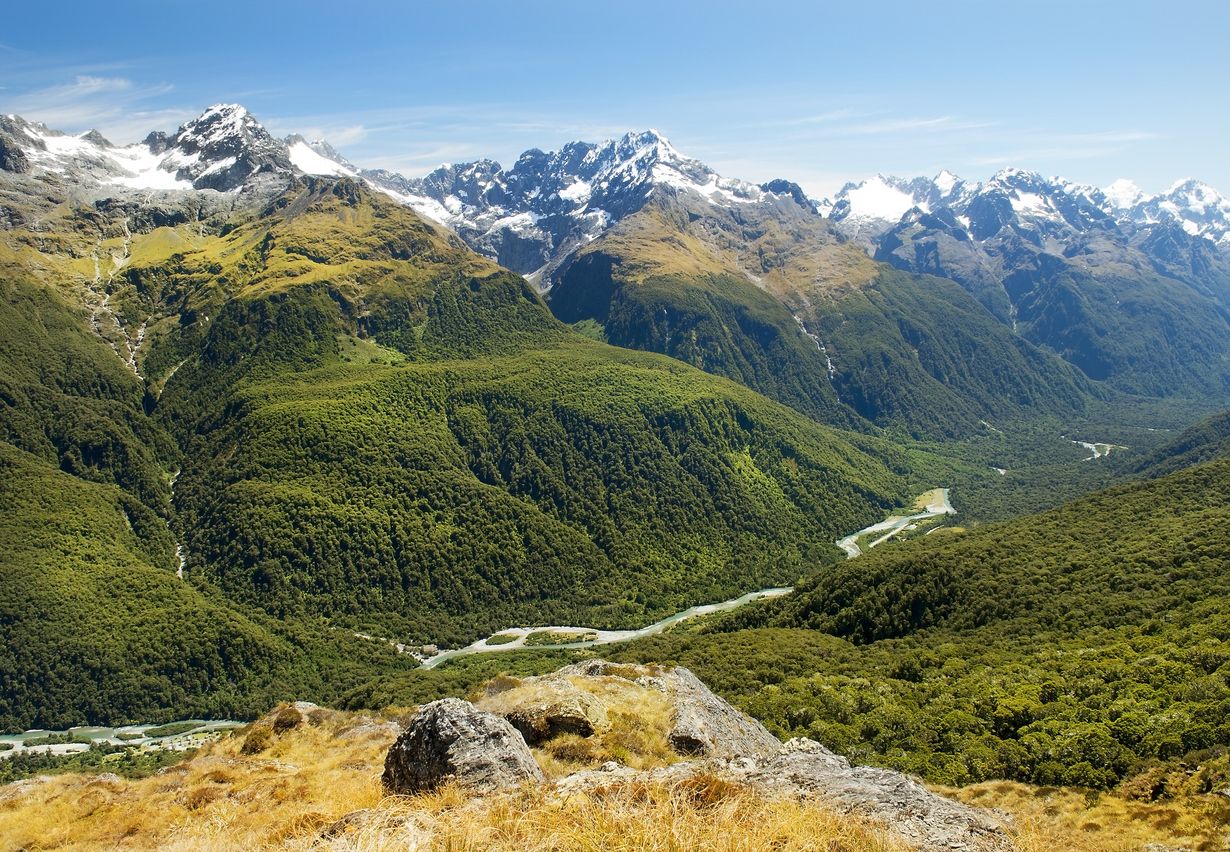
(946, 181)
(1122, 194)
(223, 147)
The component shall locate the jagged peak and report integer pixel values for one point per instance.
(946, 181)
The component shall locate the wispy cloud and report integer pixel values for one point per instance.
(824, 117)
(114, 105)
(903, 126)
(1073, 146)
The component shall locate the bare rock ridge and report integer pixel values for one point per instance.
(488, 752)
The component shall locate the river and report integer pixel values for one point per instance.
(600, 637)
(129, 735)
(935, 503)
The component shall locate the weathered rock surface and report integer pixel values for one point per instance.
(703, 724)
(709, 726)
(566, 710)
(923, 818)
(453, 739)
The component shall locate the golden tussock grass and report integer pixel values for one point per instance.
(620, 818)
(1049, 819)
(638, 721)
(317, 786)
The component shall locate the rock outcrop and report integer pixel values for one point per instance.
(562, 708)
(806, 770)
(924, 819)
(451, 739)
(703, 724)
(487, 752)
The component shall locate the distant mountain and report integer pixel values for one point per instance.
(530, 216)
(221, 149)
(1133, 290)
(766, 293)
(866, 209)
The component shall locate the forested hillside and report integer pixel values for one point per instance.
(344, 419)
(1071, 647)
(769, 296)
(398, 480)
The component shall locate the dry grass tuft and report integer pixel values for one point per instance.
(1051, 818)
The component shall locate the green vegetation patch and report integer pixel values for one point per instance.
(173, 729)
(559, 637)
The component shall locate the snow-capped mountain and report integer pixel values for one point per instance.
(224, 149)
(1196, 207)
(220, 149)
(864, 210)
(529, 216)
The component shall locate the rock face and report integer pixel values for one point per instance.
(569, 711)
(453, 739)
(707, 725)
(703, 724)
(12, 158)
(924, 819)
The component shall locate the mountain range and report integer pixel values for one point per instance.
(287, 400)
(1131, 289)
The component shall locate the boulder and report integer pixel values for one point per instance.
(707, 725)
(545, 708)
(451, 739)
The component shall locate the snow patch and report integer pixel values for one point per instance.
(303, 158)
(877, 199)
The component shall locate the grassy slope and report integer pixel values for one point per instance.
(915, 352)
(319, 784)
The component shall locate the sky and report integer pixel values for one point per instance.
(817, 92)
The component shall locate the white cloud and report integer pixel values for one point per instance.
(113, 105)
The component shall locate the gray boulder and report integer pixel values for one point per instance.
(709, 726)
(452, 739)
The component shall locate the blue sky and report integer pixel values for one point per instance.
(817, 92)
